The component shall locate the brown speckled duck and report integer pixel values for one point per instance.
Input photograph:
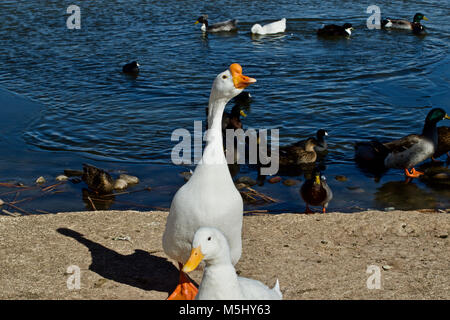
(297, 155)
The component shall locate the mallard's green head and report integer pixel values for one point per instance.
(435, 115)
(418, 17)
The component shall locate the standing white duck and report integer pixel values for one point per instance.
(220, 281)
(209, 198)
(271, 28)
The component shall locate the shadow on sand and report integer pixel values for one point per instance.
(140, 269)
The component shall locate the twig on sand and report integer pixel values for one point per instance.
(12, 214)
(126, 192)
(43, 211)
(256, 211)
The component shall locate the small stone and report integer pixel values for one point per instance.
(186, 175)
(40, 180)
(356, 189)
(120, 184)
(389, 209)
(1, 202)
(240, 186)
(386, 267)
(275, 179)
(443, 235)
(62, 178)
(290, 182)
(129, 179)
(341, 178)
(324, 241)
(247, 180)
(100, 282)
(441, 176)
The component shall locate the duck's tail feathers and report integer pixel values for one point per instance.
(276, 288)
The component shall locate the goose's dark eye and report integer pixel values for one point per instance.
(224, 77)
(209, 238)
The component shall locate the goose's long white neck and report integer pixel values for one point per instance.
(213, 153)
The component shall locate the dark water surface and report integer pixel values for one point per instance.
(375, 84)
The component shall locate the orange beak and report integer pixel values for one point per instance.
(240, 81)
(194, 260)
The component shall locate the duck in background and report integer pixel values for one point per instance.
(415, 26)
(220, 281)
(406, 152)
(333, 30)
(321, 144)
(131, 68)
(316, 192)
(225, 26)
(298, 155)
(209, 198)
(271, 28)
(443, 146)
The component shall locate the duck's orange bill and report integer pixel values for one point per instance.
(194, 260)
(240, 81)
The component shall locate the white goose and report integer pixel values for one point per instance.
(209, 198)
(271, 28)
(220, 281)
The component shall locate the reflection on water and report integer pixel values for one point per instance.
(374, 84)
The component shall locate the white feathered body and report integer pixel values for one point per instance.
(271, 28)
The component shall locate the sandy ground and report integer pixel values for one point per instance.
(315, 256)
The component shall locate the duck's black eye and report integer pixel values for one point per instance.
(224, 77)
(209, 238)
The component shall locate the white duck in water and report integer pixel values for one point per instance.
(220, 281)
(271, 28)
(209, 198)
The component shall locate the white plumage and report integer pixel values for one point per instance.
(271, 28)
(220, 281)
(209, 198)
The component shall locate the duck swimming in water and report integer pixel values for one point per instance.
(321, 143)
(225, 26)
(131, 68)
(333, 30)
(415, 25)
(298, 155)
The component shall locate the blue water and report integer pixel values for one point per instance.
(376, 84)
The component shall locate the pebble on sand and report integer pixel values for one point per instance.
(1, 202)
(120, 184)
(62, 178)
(40, 180)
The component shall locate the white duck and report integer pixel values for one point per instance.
(220, 281)
(271, 28)
(209, 198)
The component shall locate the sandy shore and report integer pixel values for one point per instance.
(316, 256)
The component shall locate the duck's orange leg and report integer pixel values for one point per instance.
(413, 174)
(324, 210)
(185, 289)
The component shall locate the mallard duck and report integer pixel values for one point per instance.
(243, 99)
(443, 146)
(407, 152)
(132, 68)
(298, 155)
(316, 192)
(271, 28)
(333, 30)
(220, 281)
(225, 26)
(98, 180)
(405, 24)
(321, 144)
(209, 198)
(232, 120)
